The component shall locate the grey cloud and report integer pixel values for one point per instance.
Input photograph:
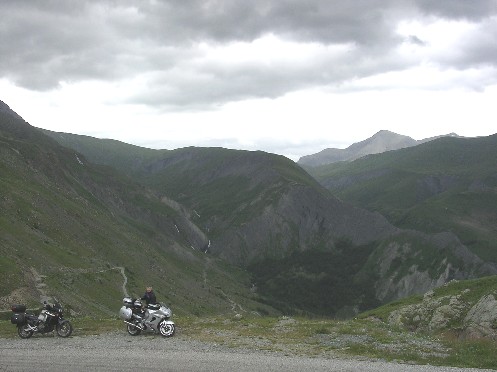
(45, 43)
(459, 9)
(211, 84)
(362, 21)
(41, 47)
(479, 48)
(413, 39)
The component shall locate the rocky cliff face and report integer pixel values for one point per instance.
(468, 311)
(301, 219)
(423, 262)
(481, 319)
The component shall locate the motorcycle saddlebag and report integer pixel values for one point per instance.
(125, 313)
(18, 308)
(18, 318)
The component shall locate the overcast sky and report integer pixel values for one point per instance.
(290, 77)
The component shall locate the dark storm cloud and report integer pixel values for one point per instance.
(459, 9)
(46, 43)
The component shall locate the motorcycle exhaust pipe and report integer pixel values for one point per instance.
(134, 325)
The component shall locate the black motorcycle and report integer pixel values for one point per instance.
(50, 318)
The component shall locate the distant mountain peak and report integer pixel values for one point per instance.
(381, 141)
(385, 131)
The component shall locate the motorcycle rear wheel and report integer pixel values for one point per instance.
(166, 329)
(132, 330)
(23, 331)
(64, 328)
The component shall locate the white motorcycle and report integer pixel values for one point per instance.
(153, 317)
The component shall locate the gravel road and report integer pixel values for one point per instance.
(119, 351)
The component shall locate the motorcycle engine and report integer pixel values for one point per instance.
(41, 321)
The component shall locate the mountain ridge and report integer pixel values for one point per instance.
(256, 207)
(71, 222)
(443, 185)
(208, 226)
(380, 142)
(7, 110)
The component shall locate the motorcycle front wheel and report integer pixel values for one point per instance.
(23, 331)
(64, 328)
(166, 329)
(133, 331)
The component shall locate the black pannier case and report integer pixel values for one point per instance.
(18, 308)
(18, 318)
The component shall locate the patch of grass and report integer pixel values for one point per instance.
(7, 329)
(472, 290)
(382, 312)
(472, 354)
(322, 331)
(11, 275)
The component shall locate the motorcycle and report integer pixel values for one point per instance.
(153, 317)
(51, 317)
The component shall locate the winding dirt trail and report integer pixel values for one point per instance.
(234, 304)
(41, 287)
(125, 279)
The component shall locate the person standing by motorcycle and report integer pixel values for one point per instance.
(149, 296)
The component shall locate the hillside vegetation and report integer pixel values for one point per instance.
(88, 234)
(307, 252)
(449, 184)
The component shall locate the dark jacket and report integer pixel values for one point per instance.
(149, 298)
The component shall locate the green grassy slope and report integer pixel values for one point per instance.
(233, 186)
(68, 226)
(449, 184)
(124, 157)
